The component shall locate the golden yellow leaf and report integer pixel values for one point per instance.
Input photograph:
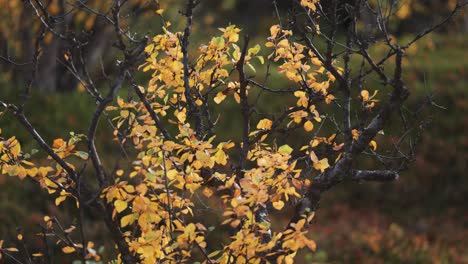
(373, 145)
(120, 206)
(404, 11)
(208, 192)
(274, 30)
(15, 149)
(316, 61)
(355, 134)
(237, 98)
(265, 124)
(235, 223)
(160, 11)
(269, 44)
(58, 142)
(181, 116)
(308, 126)
(329, 98)
(278, 205)
(311, 244)
(126, 220)
(289, 259)
(229, 145)
(365, 95)
(220, 96)
(313, 157)
(204, 159)
(310, 217)
(68, 250)
(221, 157)
(70, 229)
(60, 199)
(284, 43)
(321, 165)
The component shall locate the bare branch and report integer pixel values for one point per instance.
(374, 175)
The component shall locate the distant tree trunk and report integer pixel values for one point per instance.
(465, 19)
(54, 75)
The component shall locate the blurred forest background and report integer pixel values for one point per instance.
(421, 218)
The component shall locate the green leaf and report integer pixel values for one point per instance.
(151, 176)
(218, 41)
(285, 149)
(82, 154)
(261, 59)
(251, 67)
(253, 51)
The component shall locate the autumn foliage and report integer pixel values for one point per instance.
(174, 162)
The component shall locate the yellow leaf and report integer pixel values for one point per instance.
(126, 220)
(229, 145)
(120, 205)
(159, 11)
(308, 126)
(284, 43)
(20, 237)
(214, 254)
(321, 165)
(365, 95)
(311, 244)
(316, 61)
(181, 116)
(220, 96)
(329, 98)
(310, 217)
(404, 11)
(68, 250)
(235, 223)
(289, 259)
(313, 157)
(221, 157)
(237, 98)
(269, 44)
(58, 142)
(265, 124)
(15, 149)
(261, 59)
(60, 199)
(204, 159)
(207, 192)
(373, 145)
(274, 30)
(278, 205)
(355, 133)
(70, 229)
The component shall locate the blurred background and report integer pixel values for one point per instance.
(421, 218)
